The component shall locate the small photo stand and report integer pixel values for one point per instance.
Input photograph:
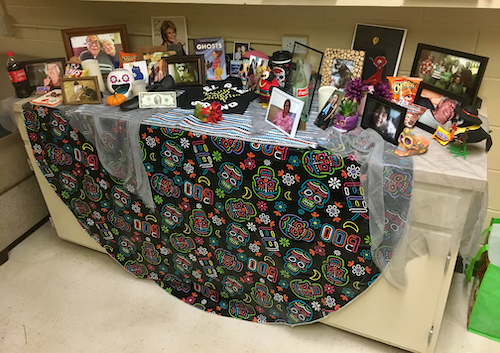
(284, 112)
(46, 72)
(239, 49)
(383, 47)
(313, 59)
(340, 65)
(327, 113)
(451, 73)
(186, 70)
(385, 117)
(440, 109)
(101, 43)
(171, 31)
(81, 90)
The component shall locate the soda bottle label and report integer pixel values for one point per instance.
(302, 92)
(17, 76)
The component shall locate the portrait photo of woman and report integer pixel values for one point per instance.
(385, 117)
(172, 32)
(284, 112)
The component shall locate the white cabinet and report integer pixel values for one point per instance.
(446, 193)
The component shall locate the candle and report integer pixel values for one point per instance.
(138, 86)
(93, 66)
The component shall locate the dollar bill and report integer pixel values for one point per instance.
(157, 100)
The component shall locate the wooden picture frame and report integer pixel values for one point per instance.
(452, 73)
(81, 90)
(340, 65)
(76, 44)
(385, 117)
(186, 70)
(383, 48)
(276, 105)
(38, 71)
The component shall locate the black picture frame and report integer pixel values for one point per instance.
(36, 71)
(470, 70)
(72, 39)
(432, 98)
(379, 42)
(395, 116)
(195, 63)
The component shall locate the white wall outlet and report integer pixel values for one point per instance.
(287, 42)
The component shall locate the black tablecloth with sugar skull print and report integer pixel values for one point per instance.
(252, 231)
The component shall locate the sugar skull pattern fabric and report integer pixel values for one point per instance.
(256, 232)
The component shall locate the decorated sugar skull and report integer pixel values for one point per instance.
(59, 125)
(334, 271)
(120, 82)
(260, 294)
(232, 285)
(172, 155)
(228, 260)
(121, 198)
(230, 177)
(298, 312)
(237, 235)
(135, 268)
(304, 289)
(150, 253)
(181, 243)
(295, 228)
(172, 215)
(240, 210)
(68, 181)
(127, 246)
(238, 309)
(320, 163)
(92, 189)
(182, 263)
(297, 261)
(200, 223)
(265, 184)
(313, 194)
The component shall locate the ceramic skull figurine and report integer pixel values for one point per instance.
(120, 82)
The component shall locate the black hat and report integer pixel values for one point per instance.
(468, 115)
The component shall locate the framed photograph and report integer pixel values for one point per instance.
(340, 65)
(172, 32)
(187, 70)
(45, 72)
(101, 43)
(440, 109)
(385, 117)
(239, 49)
(139, 69)
(449, 72)
(327, 113)
(81, 90)
(153, 52)
(284, 112)
(312, 60)
(383, 48)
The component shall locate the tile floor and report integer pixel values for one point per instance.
(56, 296)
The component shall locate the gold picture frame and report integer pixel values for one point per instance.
(81, 90)
(340, 65)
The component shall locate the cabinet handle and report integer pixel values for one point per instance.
(447, 263)
(431, 332)
(31, 165)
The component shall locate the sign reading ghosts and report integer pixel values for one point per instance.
(120, 82)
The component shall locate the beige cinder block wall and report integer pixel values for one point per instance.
(36, 25)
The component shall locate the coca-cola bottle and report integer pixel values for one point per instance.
(18, 76)
(301, 88)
